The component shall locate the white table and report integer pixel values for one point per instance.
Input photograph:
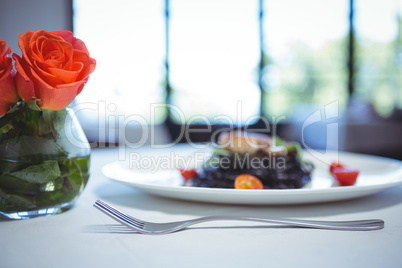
(85, 237)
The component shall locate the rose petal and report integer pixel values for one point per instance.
(8, 93)
(45, 75)
(60, 97)
(66, 76)
(68, 36)
(88, 68)
(24, 84)
(24, 44)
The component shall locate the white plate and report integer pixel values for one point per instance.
(376, 174)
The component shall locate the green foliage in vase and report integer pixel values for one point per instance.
(36, 171)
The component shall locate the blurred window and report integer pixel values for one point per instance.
(305, 56)
(213, 58)
(232, 61)
(127, 39)
(379, 54)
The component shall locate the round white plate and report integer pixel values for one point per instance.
(376, 174)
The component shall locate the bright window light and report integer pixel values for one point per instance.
(127, 39)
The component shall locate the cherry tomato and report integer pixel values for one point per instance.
(188, 173)
(333, 166)
(345, 176)
(247, 181)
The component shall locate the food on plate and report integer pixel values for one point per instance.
(244, 160)
(343, 175)
(247, 181)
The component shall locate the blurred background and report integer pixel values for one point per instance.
(325, 73)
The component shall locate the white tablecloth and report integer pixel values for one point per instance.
(85, 237)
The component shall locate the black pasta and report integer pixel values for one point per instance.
(275, 172)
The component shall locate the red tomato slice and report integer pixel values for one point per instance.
(345, 176)
(188, 173)
(247, 181)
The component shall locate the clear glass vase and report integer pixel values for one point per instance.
(44, 162)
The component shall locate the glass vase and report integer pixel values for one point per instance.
(44, 162)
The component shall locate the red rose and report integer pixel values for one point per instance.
(8, 92)
(53, 69)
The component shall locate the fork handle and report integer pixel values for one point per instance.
(356, 225)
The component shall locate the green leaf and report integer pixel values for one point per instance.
(10, 203)
(15, 112)
(45, 172)
(35, 149)
(7, 166)
(55, 119)
(33, 105)
(6, 128)
(17, 185)
(27, 188)
(75, 175)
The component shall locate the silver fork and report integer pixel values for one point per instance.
(170, 227)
